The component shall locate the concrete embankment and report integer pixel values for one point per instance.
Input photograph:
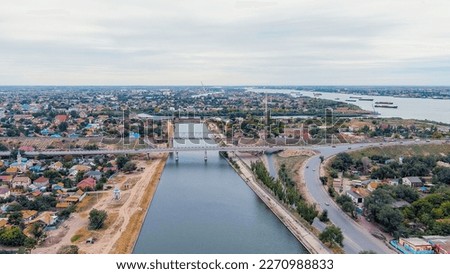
(303, 235)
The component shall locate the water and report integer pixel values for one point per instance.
(408, 108)
(206, 208)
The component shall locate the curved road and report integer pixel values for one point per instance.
(356, 238)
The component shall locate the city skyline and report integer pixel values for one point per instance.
(225, 43)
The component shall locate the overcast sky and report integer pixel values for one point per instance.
(225, 42)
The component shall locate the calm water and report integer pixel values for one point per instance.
(408, 108)
(206, 208)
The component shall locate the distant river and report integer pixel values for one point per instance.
(206, 208)
(408, 108)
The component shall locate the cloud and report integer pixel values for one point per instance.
(224, 42)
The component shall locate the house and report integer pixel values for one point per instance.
(3, 222)
(28, 215)
(48, 218)
(5, 192)
(12, 170)
(87, 183)
(372, 186)
(95, 174)
(412, 181)
(20, 182)
(79, 168)
(58, 186)
(61, 118)
(6, 179)
(393, 182)
(356, 198)
(41, 182)
(416, 245)
(57, 166)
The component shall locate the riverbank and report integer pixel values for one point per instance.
(300, 232)
(125, 216)
(127, 240)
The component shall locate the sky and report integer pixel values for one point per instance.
(224, 42)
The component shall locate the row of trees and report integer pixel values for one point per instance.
(284, 190)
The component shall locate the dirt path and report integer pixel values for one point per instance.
(125, 217)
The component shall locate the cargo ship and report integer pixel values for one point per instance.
(386, 106)
(384, 103)
(366, 99)
(350, 100)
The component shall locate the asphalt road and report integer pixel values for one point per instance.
(356, 238)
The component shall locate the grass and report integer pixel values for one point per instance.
(398, 150)
(292, 163)
(75, 238)
(88, 202)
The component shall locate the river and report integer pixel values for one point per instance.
(206, 208)
(408, 108)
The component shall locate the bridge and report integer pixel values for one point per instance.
(168, 150)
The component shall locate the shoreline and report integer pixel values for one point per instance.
(127, 240)
(306, 238)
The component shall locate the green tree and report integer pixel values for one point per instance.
(12, 236)
(324, 216)
(332, 235)
(97, 219)
(15, 218)
(121, 161)
(129, 166)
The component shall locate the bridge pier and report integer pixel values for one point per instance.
(206, 155)
(176, 156)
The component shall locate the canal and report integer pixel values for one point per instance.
(206, 208)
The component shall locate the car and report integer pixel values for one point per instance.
(349, 147)
(327, 204)
(314, 169)
(307, 166)
(333, 146)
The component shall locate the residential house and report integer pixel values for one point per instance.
(61, 118)
(3, 223)
(372, 186)
(20, 182)
(57, 166)
(28, 215)
(6, 179)
(12, 170)
(48, 218)
(41, 182)
(74, 170)
(412, 181)
(356, 198)
(441, 244)
(393, 182)
(87, 183)
(5, 192)
(95, 174)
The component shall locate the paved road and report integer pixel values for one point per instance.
(356, 237)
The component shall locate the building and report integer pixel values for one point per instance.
(97, 175)
(412, 181)
(4, 192)
(41, 182)
(6, 179)
(20, 182)
(356, 198)
(87, 183)
(416, 245)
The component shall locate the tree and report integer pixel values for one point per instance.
(323, 217)
(97, 219)
(63, 126)
(129, 166)
(3, 147)
(37, 230)
(15, 218)
(121, 161)
(12, 236)
(68, 249)
(332, 235)
(321, 158)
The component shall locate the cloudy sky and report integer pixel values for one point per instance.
(225, 42)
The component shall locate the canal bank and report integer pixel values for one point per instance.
(298, 230)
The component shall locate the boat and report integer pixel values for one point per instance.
(386, 106)
(365, 99)
(350, 100)
(384, 103)
(355, 97)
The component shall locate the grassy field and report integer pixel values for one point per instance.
(396, 151)
(292, 163)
